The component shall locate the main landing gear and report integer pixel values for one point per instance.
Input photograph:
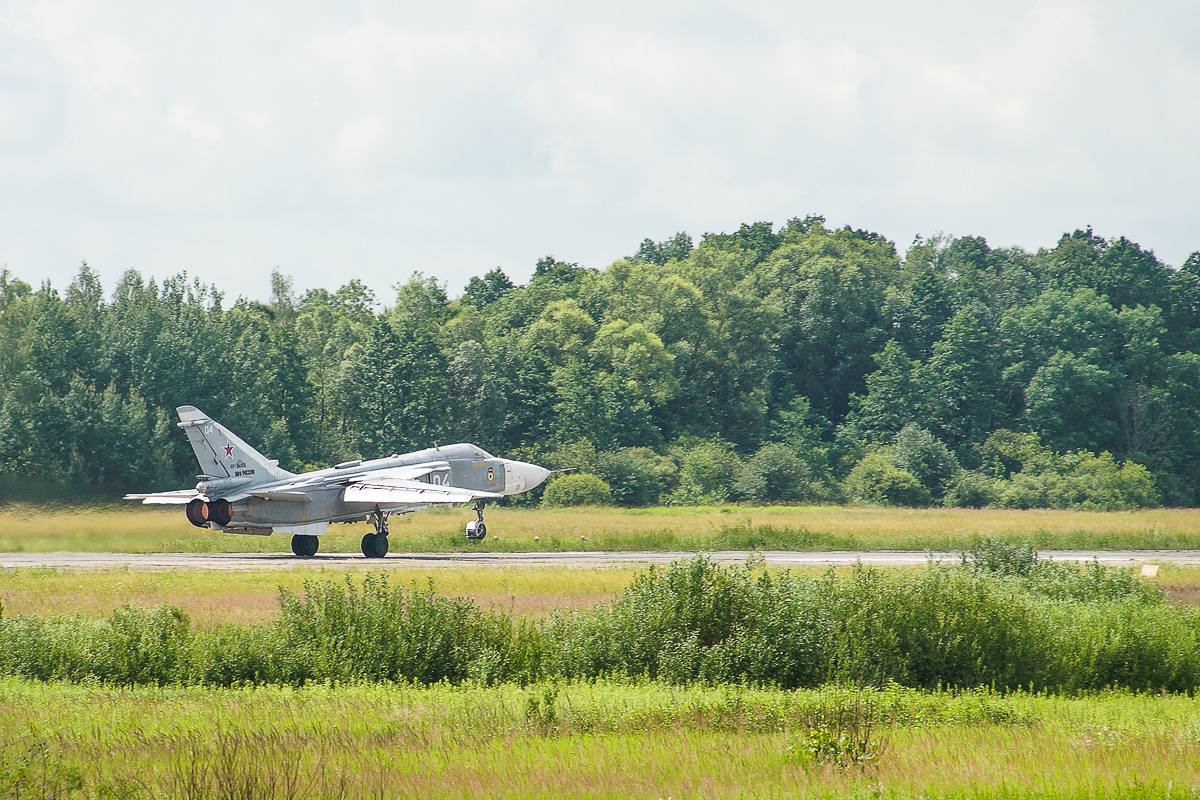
(375, 545)
(305, 546)
(476, 530)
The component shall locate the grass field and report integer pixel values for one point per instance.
(138, 529)
(596, 740)
(252, 596)
(599, 739)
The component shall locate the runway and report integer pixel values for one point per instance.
(591, 560)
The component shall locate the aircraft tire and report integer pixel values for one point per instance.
(305, 546)
(374, 545)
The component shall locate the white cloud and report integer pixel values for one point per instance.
(365, 140)
(829, 74)
(186, 116)
(358, 140)
(88, 43)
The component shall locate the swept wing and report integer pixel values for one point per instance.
(389, 491)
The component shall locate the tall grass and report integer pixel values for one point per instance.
(1054, 627)
(598, 739)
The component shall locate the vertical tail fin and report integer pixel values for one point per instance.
(221, 453)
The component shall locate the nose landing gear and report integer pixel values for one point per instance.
(476, 530)
(375, 545)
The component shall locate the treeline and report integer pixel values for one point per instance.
(800, 364)
(1004, 620)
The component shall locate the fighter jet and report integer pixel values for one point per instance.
(242, 491)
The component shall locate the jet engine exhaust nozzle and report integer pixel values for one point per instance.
(200, 513)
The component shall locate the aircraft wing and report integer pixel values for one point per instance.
(177, 497)
(409, 473)
(390, 491)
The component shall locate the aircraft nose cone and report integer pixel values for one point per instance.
(534, 475)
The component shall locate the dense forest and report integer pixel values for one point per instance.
(806, 364)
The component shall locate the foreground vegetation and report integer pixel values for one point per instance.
(139, 529)
(596, 740)
(1001, 676)
(1004, 620)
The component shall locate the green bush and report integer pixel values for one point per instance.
(876, 480)
(707, 472)
(384, 632)
(917, 451)
(131, 647)
(237, 656)
(1057, 579)
(579, 489)
(1081, 480)
(971, 490)
(638, 476)
(777, 474)
(695, 620)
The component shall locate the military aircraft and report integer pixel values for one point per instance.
(242, 491)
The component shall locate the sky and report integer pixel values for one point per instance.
(368, 140)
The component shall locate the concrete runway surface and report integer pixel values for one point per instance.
(248, 561)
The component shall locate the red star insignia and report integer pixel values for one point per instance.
(229, 451)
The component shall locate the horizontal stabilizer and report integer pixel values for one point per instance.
(389, 492)
(178, 497)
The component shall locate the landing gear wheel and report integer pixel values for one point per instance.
(476, 530)
(375, 545)
(305, 546)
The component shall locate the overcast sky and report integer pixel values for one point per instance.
(362, 140)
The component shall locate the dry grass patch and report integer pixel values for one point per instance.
(250, 597)
(139, 529)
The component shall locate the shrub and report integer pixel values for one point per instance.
(696, 620)
(1060, 580)
(774, 474)
(707, 472)
(971, 490)
(236, 656)
(144, 647)
(1081, 480)
(579, 489)
(919, 452)
(387, 633)
(131, 647)
(637, 475)
(876, 480)
(1006, 452)
(998, 557)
